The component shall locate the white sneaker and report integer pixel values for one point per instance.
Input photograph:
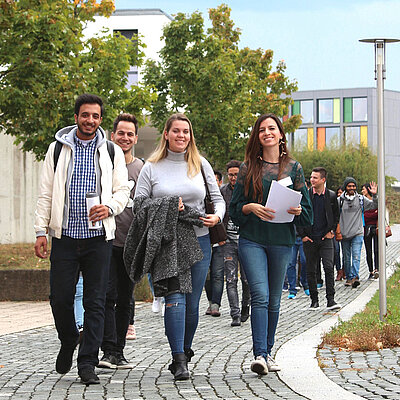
(131, 333)
(259, 366)
(157, 303)
(163, 309)
(272, 365)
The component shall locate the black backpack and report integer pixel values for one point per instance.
(59, 145)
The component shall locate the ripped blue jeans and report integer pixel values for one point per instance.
(182, 309)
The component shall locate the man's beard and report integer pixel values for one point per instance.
(82, 131)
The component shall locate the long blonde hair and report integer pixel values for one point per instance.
(192, 155)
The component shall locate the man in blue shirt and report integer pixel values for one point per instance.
(82, 164)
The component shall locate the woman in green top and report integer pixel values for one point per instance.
(265, 247)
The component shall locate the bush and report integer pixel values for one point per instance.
(358, 162)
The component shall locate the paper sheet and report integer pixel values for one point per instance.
(280, 199)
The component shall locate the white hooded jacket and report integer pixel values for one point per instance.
(52, 208)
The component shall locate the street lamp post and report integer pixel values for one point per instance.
(380, 75)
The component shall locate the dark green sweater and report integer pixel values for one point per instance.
(267, 233)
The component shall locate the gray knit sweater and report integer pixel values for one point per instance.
(161, 240)
(169, 177)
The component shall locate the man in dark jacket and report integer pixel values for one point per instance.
(230, 250)
(318, 238)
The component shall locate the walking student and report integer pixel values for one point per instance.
(318, 238)
(351, 207)
(78, 163)
(265, 248)
(171, 184)
(119, 301)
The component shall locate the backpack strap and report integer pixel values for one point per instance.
(56, 155)
(111, 151)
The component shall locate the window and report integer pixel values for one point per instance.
(332, 137)
(329, 111)
(355, 109)
(352, 135)
(306, 109)
(325, 110)
(360, 109)
(130, 34)
(300, 139)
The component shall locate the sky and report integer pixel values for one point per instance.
(317, 39)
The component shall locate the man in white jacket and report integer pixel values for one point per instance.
(81, 160)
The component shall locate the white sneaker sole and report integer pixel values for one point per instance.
(103, 364)
(258, 368)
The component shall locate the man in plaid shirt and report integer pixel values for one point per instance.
(84, 164)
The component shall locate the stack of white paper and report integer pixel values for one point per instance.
(280, 199)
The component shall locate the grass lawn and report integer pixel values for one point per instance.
(393, 205)
(21, 256)
(365, 331)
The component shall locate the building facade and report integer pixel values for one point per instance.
(343, 116)
(148, 24)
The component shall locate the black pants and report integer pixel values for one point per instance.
(369, 237)
(118, 304)
(92, 256)
(314, 251)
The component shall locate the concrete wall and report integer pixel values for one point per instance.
(19, 174)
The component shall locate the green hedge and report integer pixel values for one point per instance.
(358, 162)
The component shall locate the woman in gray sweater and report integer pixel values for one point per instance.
(175, 169)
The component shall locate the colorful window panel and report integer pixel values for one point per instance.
(329, 111)
(305, 108)
(355, 109)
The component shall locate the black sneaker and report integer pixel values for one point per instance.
(88, 377)
(355, 284)
(107, 361)
(245, 313)
(64, 359)
(236, 321)
(121, 362)
(314, 305)
(332, 305)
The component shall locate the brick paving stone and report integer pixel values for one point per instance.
(220, 368)
(372, 374)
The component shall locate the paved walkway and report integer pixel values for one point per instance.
(220, 368)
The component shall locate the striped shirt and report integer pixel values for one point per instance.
(83, 180)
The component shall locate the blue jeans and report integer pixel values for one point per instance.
(215, 285)
(351, 256)
(78, 303)
(291, 269)
(265, 268)
(338, 262)
(182, 309)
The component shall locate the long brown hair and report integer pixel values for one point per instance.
(254, 157)
(192, 155)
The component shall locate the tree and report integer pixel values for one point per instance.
(220, 87)
(45, 63)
